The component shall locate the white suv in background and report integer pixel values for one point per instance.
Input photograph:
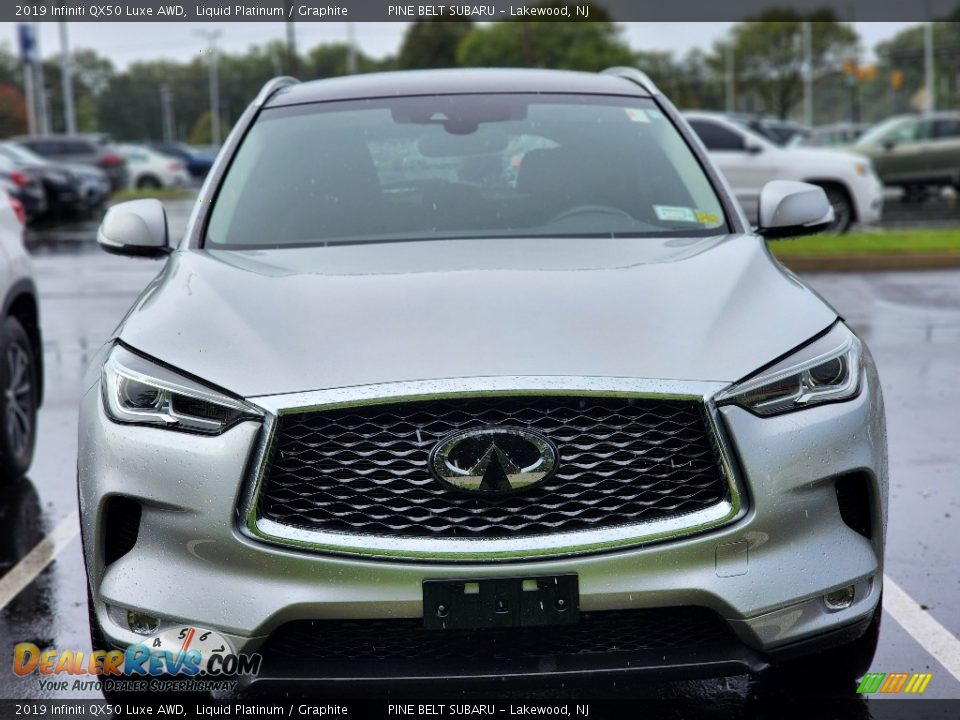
(21, 354)
(749, 161)
(150, 169)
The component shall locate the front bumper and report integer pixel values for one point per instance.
(868, 199)
(765, 573)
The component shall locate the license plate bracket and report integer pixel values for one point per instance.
(480, 603)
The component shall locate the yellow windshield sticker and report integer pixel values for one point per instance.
(707, 218)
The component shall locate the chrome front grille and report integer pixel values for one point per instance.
(363, 470)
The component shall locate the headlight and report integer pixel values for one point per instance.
(136, 390)
(826, 370)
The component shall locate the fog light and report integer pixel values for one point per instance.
(141, 623)
(840, 599)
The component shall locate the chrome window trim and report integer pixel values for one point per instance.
(532, 547)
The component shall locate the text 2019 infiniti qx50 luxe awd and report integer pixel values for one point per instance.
(471, 374)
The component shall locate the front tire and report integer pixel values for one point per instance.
(842, 205)
(835, 671)
(18, 400)
(149, 182)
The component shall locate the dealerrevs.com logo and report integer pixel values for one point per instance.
(180, 658)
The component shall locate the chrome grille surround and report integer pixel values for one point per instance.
(487, 549)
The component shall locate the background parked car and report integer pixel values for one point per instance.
(20, 348)
(92, 150)
(61, 183)
(834, 135)
(25, 186)
(197, 161)
(148, 168)
(95, 185)
(779, 132)
(749, 161)
(915, 152)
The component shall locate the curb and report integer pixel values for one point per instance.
(875, 261)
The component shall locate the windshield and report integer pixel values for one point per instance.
(751, 134)
(22, 154)
(878, 133)
(438, 167)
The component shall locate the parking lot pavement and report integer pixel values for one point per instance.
(911, 321)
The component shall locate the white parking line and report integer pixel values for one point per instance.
(34, 562)
(921, 625)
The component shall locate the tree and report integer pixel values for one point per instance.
(590, 46)
(202, 131)
(330, 60)
(130, 107)
(432, 44)
(92, 75)
(904, 53)
(768, 54)
(13, 109)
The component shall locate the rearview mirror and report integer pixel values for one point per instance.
(137, 228)
(790, 209)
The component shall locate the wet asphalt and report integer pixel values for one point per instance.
(911, 321)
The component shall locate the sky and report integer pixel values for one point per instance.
(124, 43)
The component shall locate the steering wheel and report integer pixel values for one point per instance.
(590, 209)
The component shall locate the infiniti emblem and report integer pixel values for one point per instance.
(493, 459)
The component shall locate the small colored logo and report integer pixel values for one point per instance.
(185, 651)
(892, 683)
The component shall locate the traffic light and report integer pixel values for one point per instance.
(896, 79)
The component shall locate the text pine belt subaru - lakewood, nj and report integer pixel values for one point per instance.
(491, 378)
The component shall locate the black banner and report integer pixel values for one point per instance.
(481, 11)
(484, 709)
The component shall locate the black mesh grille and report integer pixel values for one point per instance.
(612, 631)
(364, 470)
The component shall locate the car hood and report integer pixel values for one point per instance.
(819, 157)
(277, 321)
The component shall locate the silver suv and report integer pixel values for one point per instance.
(482, 374)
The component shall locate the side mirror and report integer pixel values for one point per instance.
(137, 228)
(753, 149)
(790, 209)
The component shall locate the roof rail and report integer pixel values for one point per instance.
(271, 86)
(635, 76)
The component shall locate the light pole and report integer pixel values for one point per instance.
(211, 36)
(66, 75)
(928, 69)
(166, 106)
(292, 64)
(40, 88)
(731, 80)
(351, 50)
(28, 56)
(807, 73)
